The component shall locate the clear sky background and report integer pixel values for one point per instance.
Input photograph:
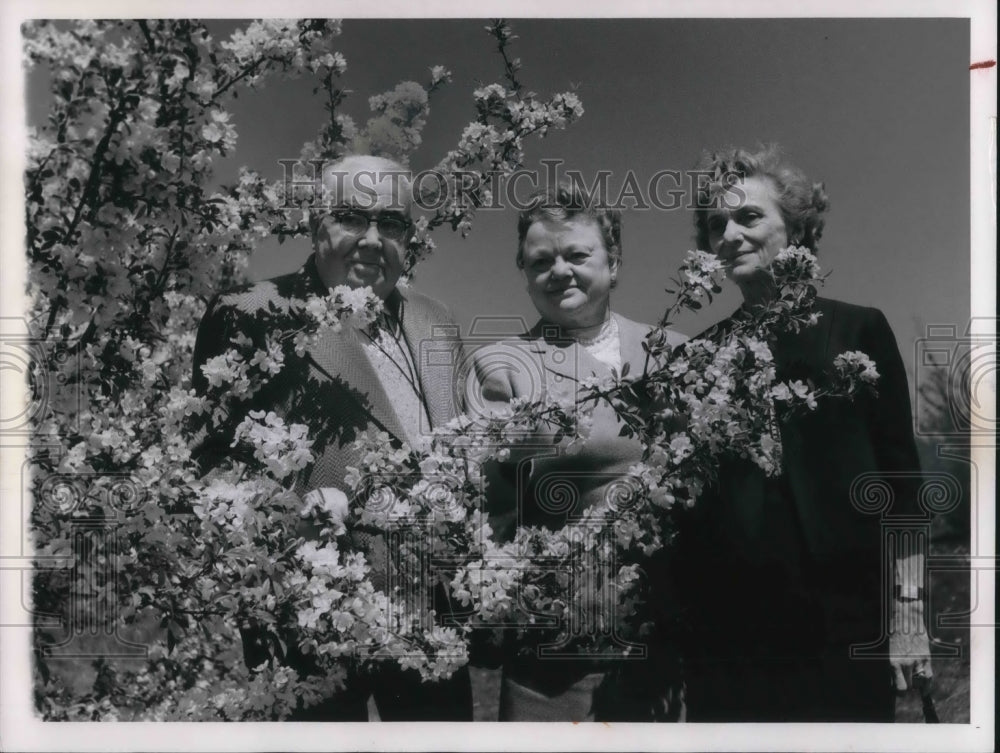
(876, 108)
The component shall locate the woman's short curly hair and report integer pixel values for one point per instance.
(568, 201)
(802, 202)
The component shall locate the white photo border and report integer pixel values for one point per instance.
(20, 729)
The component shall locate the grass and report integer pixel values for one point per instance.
(949, 594)
(485, 694)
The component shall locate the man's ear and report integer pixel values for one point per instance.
(315, 218)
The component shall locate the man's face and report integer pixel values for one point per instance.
(362, 239)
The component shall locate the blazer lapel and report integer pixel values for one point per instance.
(437, 379)
(631, 338)
(801, 356)
(340, 356)
(561, 355)
(564, 356)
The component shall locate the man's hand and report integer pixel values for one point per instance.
(328, 505)
(909, 647)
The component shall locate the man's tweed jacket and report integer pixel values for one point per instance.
(333, 389)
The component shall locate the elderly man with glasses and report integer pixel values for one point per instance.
(354, 382)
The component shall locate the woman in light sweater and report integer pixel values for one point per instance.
(570, 254)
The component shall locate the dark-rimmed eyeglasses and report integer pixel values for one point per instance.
(356, 222)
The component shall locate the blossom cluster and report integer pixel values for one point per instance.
(691, 406)
(282, 449)
(299, 45)
(126, 241)
(356, 307)
(491, 146)
(856, 368)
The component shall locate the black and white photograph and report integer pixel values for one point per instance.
(568, 375)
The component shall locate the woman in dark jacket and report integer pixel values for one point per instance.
(789, 577)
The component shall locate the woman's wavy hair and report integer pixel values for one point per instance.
(568, 201)
(802, 202)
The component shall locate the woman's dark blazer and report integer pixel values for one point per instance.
(851, 468)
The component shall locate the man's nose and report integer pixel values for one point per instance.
(371, 236)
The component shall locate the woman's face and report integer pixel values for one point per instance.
(746, 229)
(569, 271)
